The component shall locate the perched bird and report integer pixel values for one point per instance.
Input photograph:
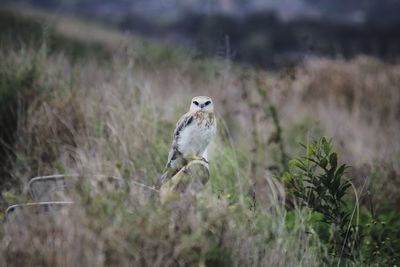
(192, 134)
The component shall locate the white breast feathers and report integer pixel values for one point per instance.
(195, 138)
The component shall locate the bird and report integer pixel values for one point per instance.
(191, 137)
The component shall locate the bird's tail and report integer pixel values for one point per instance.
(167, 174)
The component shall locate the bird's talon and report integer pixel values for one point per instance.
(196, 158)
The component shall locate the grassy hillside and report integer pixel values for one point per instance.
(77, 98)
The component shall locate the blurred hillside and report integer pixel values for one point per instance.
(261, 33)
(383, 11)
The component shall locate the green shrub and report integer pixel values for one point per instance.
(318, 182)
(381, 232)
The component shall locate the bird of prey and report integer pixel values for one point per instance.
(192, 134)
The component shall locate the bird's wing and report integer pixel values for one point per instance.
(174, 154)
(182, 123)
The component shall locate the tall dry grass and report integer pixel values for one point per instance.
(89, 120)
(358, 103)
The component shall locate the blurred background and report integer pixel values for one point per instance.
(261, 33)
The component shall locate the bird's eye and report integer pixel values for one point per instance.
(196, 103)
(207, 103)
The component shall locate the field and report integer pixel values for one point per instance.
(80, 98)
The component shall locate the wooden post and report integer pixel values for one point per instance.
(190, 180)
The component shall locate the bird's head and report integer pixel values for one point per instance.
(202, 103)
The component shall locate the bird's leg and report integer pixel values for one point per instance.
(196, 157)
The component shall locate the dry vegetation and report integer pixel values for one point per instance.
(115, 117)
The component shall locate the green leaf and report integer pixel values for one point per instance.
(343, 188)
(310, 151)
(331, 173)
(333, 160)
(295, 163)
(326, 146)
(336, 183)
(287, 177)
(323, 163)
(340, 170)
